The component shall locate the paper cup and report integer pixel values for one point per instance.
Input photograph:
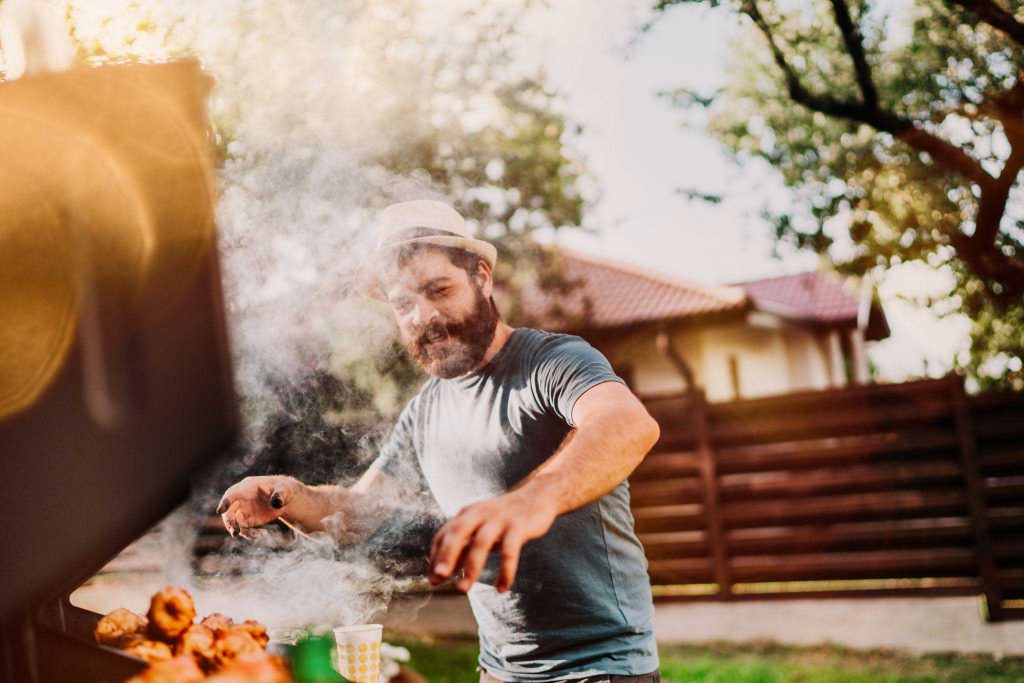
(358, 652)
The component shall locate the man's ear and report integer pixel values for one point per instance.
(484, 277)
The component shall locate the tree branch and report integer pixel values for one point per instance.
(995, 16)
(945, 154)
(855, 46)
(992, 203)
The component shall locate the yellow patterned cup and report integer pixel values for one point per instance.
(358, 652)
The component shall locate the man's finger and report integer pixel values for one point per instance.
(228, 524)
(476, 556)
(511, 546)
(223, 505)
(229, 518)
(448, 528)
(442, 533)
(450, 543)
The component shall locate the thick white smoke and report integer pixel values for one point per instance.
(308, 95)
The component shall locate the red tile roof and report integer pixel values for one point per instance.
(612, 295)
(815, 296)
(615, 295)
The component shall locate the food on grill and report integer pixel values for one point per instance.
(177, 670)
(255, 629)
(180, 651)
(120, 628)
(236, 646)
(150, 650)
(171, 612)
(198, 643)
(216, 622)
(268, 669)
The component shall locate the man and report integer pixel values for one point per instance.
(525, 439)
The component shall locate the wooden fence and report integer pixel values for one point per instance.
(912, 489)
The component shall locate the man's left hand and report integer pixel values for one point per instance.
(503, 523)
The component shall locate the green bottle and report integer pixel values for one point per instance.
(311, 660)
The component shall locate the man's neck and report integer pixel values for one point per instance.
(501, 334)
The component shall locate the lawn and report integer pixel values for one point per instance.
(455, 662)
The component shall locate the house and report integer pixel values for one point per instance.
(759, 338)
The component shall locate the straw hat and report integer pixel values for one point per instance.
(415, 222)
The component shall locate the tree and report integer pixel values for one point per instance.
(323, 113)
(902, 138)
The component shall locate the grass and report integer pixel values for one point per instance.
(454, 661)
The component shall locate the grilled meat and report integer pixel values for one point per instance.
(171, 612)
(121, 628)
(151, 650)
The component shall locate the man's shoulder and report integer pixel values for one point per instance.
(537, 342)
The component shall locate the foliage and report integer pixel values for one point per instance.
(323, 113)
(901, 136)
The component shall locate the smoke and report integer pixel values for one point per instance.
(309, 99)
(306, 583)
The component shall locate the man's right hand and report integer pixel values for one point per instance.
(256, 501)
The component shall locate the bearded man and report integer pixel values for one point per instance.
(525, 439)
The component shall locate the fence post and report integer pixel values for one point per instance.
(976, 500)
(712, 498)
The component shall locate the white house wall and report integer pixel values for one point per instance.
(770, 360)
(761, 358)
(808, 367)
(651, 372)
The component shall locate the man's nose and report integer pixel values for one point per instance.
(423, 313)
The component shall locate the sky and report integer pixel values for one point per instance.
(640, 152)
(639, 148)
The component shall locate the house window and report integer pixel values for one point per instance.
(734, 376)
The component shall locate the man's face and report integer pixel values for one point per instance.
(444, 314)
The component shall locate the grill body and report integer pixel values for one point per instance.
(115, 380)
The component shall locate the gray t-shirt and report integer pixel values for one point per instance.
(581, 601)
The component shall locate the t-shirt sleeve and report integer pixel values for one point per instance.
(397, 456)
(565, 370)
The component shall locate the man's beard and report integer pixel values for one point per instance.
(469, 340)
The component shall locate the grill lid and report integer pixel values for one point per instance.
(115, 383)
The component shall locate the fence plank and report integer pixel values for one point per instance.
(660, 465)
(684, 544)
(668, 491)
(854, 566)
(863, 448)
(850, 479)
(841, 420)
(669, 518)
(976, 501)
(848, 508)
(861, 536)
(712, 503)
(681, 571)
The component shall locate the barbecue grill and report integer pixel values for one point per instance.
(115, 382)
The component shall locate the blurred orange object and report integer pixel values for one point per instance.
(171, 612)
(177, 670)
(120, 628)
(152, 651)
(107, 197)
(268, 669)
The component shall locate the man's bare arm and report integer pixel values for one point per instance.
(349, 514)
(613, 434)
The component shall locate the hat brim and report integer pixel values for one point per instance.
(366, 278)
